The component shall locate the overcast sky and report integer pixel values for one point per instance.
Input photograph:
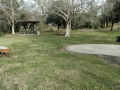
(33, 1)
(28, 0)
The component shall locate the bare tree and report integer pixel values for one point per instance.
(11, 11)
(41, 7)
(68, 9)
(93, 14)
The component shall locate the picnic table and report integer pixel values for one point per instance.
(4, 50)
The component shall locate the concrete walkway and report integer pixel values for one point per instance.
(102, 49)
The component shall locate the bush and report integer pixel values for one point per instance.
(51, 30)
(109, 25)
(118, 28)
(44, 27)
(97, 26)
(102, 26)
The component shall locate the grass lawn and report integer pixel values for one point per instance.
(39, 63)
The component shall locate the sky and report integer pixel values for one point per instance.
(33, 1)
(29, 1)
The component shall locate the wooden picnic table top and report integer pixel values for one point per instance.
(4, 49)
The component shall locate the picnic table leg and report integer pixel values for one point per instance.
(3, 54)
(0, 54)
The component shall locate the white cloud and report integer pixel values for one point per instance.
(29, 1)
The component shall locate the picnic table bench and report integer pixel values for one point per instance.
(4, 50)
(61, 32)
(27, 31)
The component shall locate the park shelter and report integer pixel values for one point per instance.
(28, 26)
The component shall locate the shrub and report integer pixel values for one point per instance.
(51, 30)
(44, 27)
(97, 26)
(109, 25)
(102, 26)
(118, 28)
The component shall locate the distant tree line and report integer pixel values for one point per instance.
(67, 14)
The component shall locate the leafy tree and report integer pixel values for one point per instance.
(111, 12)
(86, 19)
(76, 23)
(115, 13)
(53, 18)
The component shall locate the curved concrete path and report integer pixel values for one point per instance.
(102, 49)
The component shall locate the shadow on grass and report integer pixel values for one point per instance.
(114, 60)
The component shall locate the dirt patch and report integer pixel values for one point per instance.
(114, 60)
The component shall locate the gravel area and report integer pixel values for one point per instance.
(108, 52)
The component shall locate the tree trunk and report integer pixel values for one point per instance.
(105, 24)
(112, 26)
(13, 27)
(68, 28)
(92, 25)
(35, 29)
(13, 22)
(58, 27)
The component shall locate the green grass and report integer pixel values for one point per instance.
(39, 63)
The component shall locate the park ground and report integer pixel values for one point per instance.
(41, 63)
